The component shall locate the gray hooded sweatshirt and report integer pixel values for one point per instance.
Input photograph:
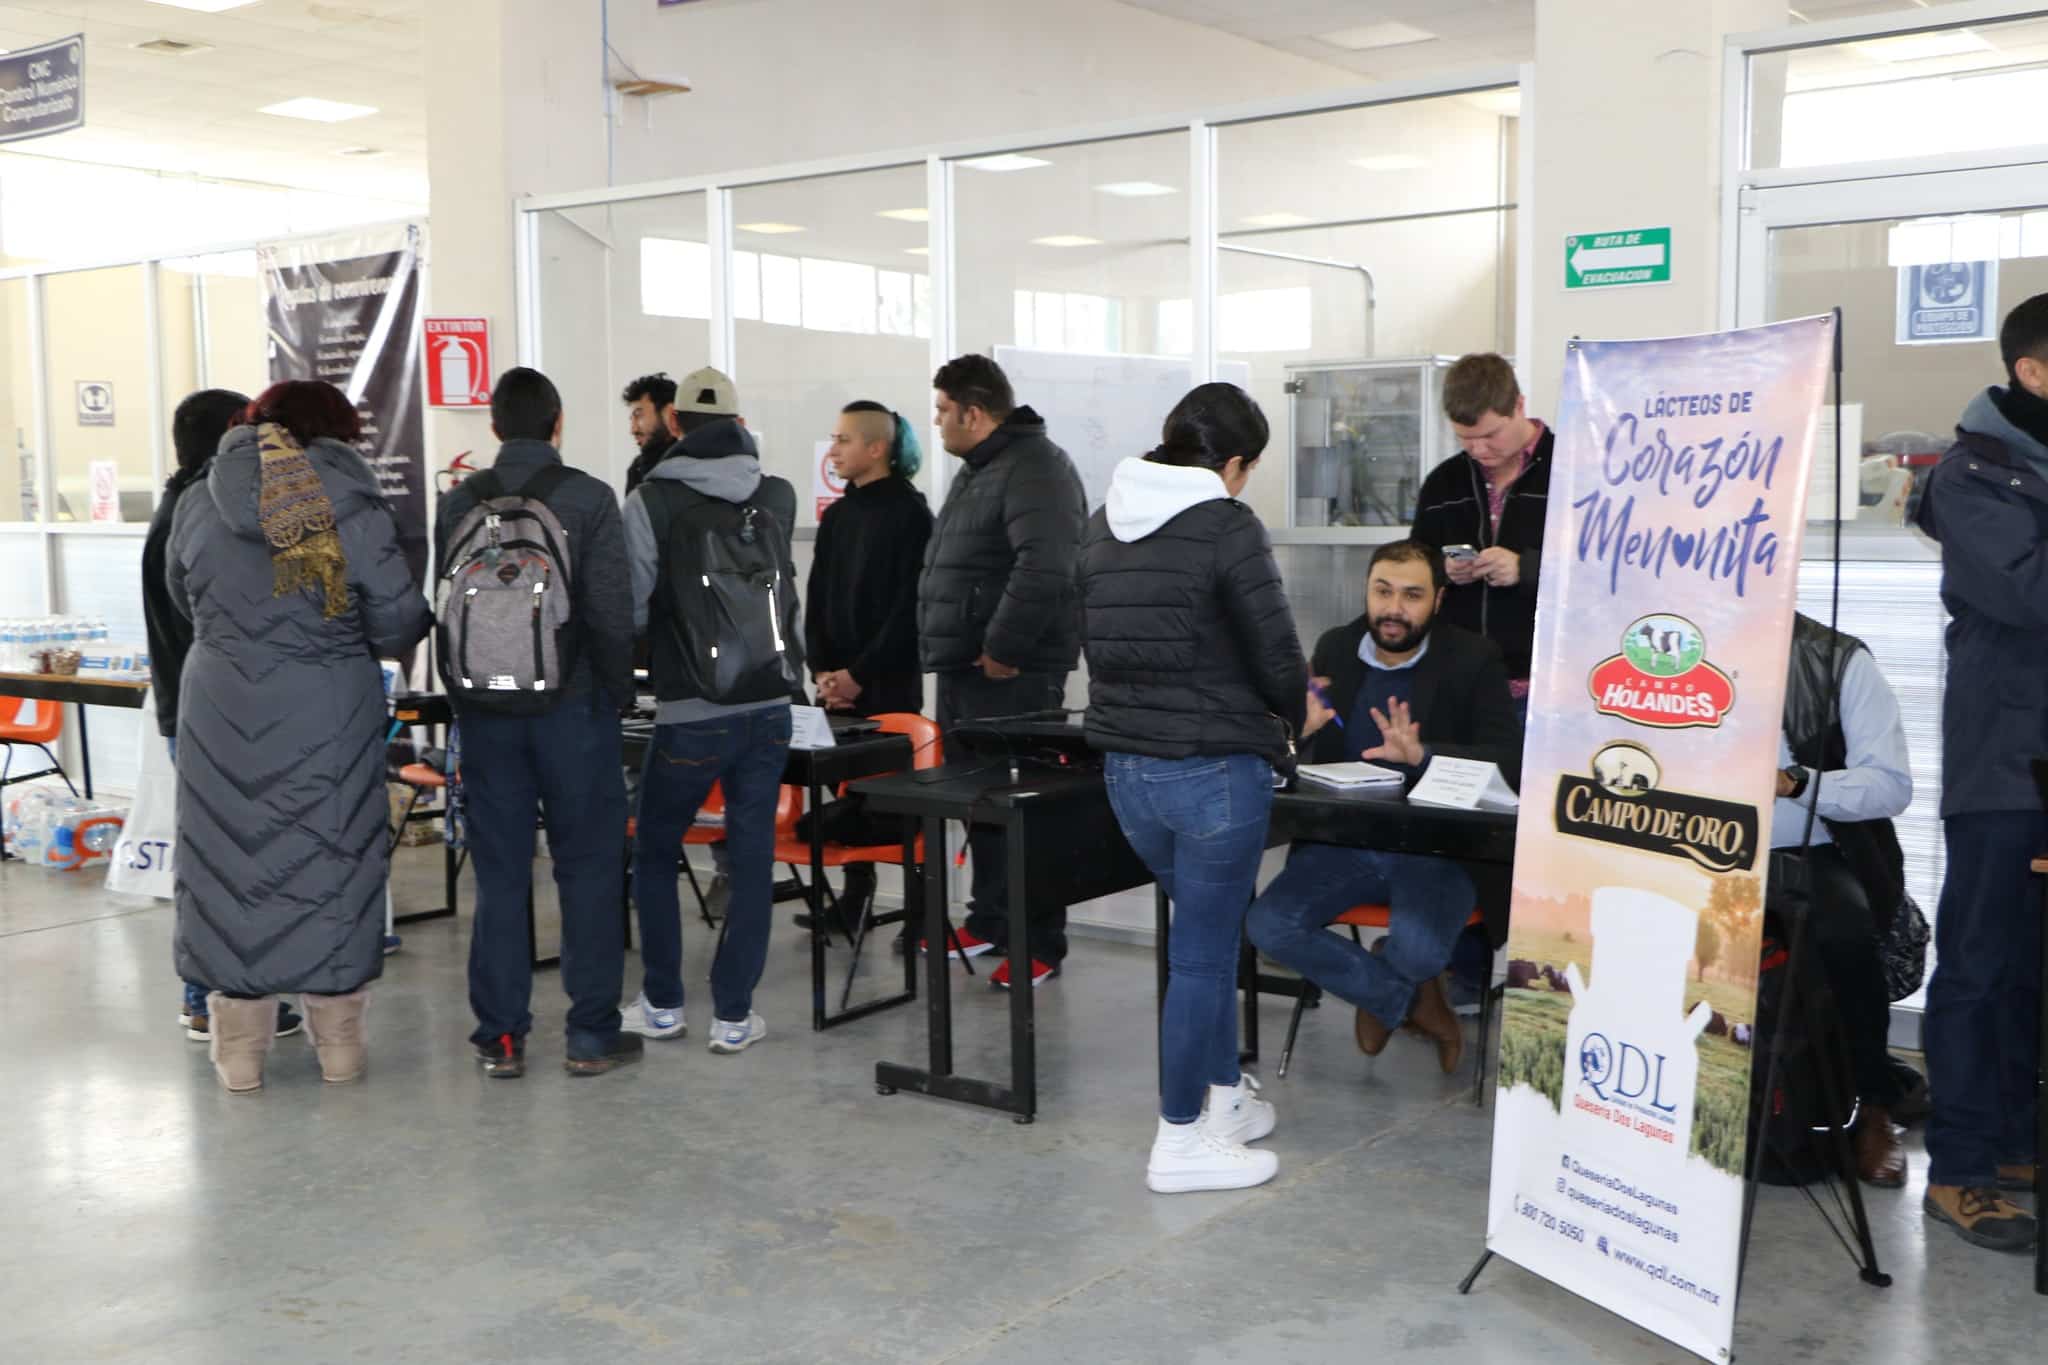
(719, 461)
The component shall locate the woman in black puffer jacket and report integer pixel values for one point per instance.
(1196, 688)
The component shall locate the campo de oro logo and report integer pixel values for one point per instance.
(1623, 802)
(1662, 678)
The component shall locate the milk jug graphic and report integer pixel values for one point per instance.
(1629, 1046)
(460, 359)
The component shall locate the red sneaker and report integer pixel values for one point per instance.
(1040, 974)
(970, 946)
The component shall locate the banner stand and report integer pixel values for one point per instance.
(1821, 1029)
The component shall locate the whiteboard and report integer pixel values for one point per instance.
(1103, 409)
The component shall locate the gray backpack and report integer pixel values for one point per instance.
(502, 605)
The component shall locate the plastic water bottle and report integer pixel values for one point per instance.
(96, 630)
(10, 647)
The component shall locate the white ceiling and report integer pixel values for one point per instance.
(197, 114)
(1469, 32)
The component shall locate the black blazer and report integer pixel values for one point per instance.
(1459, 697)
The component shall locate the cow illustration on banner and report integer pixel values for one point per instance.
(1670, 560)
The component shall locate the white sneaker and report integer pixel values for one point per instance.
(649, 1022)
(1188, 1157)
(1237, 1114)
(729, 1036)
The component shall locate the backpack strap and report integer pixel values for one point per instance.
(545, 482)
(666, 499)
(485, 485)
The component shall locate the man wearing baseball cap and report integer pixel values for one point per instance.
(726, 722)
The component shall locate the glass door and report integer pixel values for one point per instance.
(1923, 267)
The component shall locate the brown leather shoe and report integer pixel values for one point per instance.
(1372, 1035)
(1880, 1159)
(1980, 1217)
(1431, 1017)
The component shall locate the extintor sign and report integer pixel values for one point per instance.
(458, 362)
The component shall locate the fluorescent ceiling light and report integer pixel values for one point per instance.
(204, 6)
(1008, 161)
(1136, 189)
(1369, 36)
(770, 229)
(1275, 220)
(917, 251)
(360, 151)
(1066, 239)
(318, 110)
(907, 215)
(1916, 47)
(1391, 161)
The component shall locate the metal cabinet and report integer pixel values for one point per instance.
(1362, 436)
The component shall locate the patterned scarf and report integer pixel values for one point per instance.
(298, 521)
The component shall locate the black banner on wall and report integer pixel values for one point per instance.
(354, 321)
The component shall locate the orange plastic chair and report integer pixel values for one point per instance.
(38, 733)
(1379, 917)
(923, 735)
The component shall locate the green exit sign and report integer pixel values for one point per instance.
(1606, 260)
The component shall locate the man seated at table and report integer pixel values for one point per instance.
(1395, 687)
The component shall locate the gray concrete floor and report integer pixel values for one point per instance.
(773, 1207)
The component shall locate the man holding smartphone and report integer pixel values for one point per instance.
(1484, 509)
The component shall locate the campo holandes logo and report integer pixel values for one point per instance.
(1661, 678)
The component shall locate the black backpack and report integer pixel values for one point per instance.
(502, 607)
(727, 594)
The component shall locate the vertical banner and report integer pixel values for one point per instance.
(1678, 503)
(352, 318)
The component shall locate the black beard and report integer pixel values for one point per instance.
(1416, 635)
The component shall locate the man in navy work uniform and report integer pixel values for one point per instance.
(564, 764)
(1987, 503)
(1394, 687)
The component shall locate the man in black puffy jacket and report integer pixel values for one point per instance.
(996, 615)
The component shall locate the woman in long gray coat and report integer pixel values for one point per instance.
(290, 569)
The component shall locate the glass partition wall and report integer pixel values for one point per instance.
(1108, 270)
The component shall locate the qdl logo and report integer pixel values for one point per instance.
(1623, 1072)
(1661, 678)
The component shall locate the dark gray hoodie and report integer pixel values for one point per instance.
(719, 461)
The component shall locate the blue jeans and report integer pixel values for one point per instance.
(1982, 1027)
(745, 753)
(567, 767)
(1429, 899)
(1200, 825)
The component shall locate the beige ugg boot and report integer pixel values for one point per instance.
(335, 1024)
(242, 1033)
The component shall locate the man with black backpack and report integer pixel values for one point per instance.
(714, 588)
(535, 643)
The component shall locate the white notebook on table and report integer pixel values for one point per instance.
(1350, 776)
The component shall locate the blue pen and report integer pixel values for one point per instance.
(1324, 698)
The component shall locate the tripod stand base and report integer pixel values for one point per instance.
(1465, 1285)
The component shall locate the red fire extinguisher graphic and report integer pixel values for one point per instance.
(462, 370)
